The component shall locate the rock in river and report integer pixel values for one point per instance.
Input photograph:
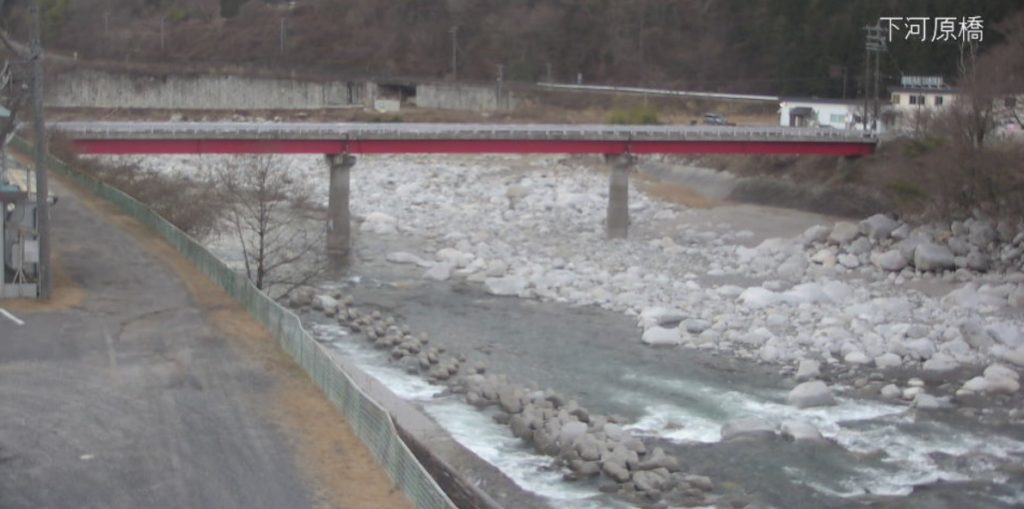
(811, 394)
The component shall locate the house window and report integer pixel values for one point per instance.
(920, 100)
(895, 98)
(938, 100)
(836, 118)
(1010, 102)
(913, 99)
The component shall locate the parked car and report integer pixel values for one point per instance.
(716, 119)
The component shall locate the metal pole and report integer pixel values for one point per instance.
(162, 34)
(844, 82)
(282, 35)
(42, 188)
(455, 46)
(501, 72)
(867, 72)
(878, 57)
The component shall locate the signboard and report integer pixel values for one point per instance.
(922, 81)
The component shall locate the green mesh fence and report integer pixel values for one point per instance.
(368, 419)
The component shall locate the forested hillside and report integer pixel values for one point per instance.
(769, 46)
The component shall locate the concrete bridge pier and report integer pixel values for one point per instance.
(339, 220)
(620, 165)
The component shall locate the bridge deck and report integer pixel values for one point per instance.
(380, 138)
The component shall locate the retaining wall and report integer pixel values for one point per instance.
(455, 96)
(88, 88)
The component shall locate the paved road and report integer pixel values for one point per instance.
(135, 397)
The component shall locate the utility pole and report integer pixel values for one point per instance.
(42, 188)
(501, 75)
(455, 46)
(162, 22)
(874, 44)
(282, 35)
(864, 86)
(844, 82)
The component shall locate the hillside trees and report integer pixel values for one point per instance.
(769, 46)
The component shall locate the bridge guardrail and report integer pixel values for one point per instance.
(370, 421)
(383, 131)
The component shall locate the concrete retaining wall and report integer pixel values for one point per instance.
(452, 96)
(95, 88)
(85, 88)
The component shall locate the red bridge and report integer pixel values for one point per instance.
(341, 142)
(370, 138)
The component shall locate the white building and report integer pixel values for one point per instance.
(815, 112)
(918, 98)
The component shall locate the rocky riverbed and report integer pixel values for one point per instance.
(895, 333)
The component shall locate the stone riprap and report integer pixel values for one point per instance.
(583, 444)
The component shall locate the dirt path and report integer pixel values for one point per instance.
(143, 383)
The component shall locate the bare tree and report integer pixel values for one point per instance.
(972, 115)
(14, 91)
(1005, 64)
(267, 212)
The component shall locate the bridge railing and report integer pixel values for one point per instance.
(396, 131)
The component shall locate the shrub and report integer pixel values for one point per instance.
(641, 115)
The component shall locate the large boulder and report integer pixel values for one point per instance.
(658, 315)
(849, 261)
(403, 257)
(749, 427)
(982, 233)
(439, 272)
(921, 348)
(891, 260)
(615, 471)
(507, 285)
(843, 233)
(811, 394)
(808, 369)
(696, 325)
(326, 303)
(978, 261)
(649, 480)
(454, 257)
(658, 459)
(891, 391)
(510, 399)
(661, 336)
(858, 247)
(815, 234)
(940, 364)
(888, 360)
(986, 385)
(572, 431)
(958, 246)
(1000, 371)
(925, 401)
(1015, 357)
(929, 256)
(901, 232)
(800, 431)
(878, 226)
(857, 358)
